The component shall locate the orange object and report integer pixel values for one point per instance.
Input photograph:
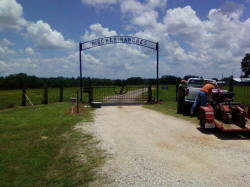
(207, 88)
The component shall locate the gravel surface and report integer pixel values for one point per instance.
(147, 148)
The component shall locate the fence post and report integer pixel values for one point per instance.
(77, 101)
(45, 94)
(61, 94)
(149, 93)
(231, 84)
(90, 93)
(23, 97)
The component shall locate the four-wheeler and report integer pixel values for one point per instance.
(223, 113)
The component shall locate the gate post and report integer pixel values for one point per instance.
(157, 81)
(80, 57)
(150, 93)
(90, 92)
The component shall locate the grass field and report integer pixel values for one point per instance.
(12, 98)
(39, 147)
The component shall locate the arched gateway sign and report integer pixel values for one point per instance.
(120, 39)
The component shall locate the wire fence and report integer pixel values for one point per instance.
(13, 98)
(241, 93)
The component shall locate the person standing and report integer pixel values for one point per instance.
(201, 98)
(181, 96)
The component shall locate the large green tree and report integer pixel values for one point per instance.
(245, 65)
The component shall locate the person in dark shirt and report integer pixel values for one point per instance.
(181, 96)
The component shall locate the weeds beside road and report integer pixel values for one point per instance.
(39, 147)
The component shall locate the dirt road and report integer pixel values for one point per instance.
(148, 148)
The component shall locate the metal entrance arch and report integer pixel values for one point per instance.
(120, 39)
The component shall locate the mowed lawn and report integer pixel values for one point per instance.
(39, 147)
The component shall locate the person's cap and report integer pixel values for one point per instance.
(213, 82)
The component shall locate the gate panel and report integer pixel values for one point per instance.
(120, 94)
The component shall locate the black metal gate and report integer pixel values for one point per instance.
(120, 39)
(121, 95)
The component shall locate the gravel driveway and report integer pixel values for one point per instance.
(148, 148)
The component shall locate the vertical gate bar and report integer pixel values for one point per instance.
(80, 57)
(157, 81)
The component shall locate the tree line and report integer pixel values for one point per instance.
(20, 80)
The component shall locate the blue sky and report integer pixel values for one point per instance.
(205, 38)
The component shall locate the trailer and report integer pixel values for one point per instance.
(207, 121)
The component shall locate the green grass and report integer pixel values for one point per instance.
(39, 147)
(168, 104)
(12, 98)
(242, 94)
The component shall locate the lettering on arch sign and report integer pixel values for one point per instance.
(119, 39)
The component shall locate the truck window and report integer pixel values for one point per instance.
(196, 83)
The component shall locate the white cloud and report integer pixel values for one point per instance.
(11, 15)
(97, 31)
(46, 38)
(5, 51)
(6, 42)
(29, 51)
(189, 45)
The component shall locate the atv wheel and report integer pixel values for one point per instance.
(241, 122)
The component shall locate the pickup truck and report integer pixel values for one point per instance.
(193, 87)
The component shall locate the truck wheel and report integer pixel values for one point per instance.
(202, 120)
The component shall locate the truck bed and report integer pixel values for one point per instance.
(231, 127)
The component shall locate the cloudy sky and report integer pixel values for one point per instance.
(196, 37)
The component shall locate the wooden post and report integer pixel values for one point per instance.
(45, 94)
(23, 97)
(149, 93)
(61, 94)
(77, 101)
